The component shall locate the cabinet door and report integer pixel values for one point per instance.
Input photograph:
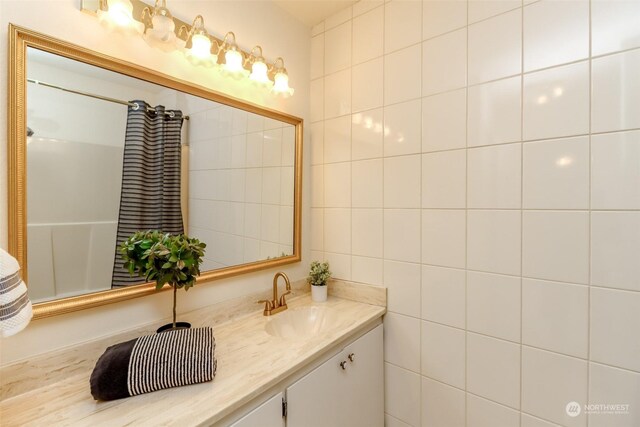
(316, 399)
(364, 386)
(269, 414)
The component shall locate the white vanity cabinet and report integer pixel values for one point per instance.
(347, 390)
(269, 414)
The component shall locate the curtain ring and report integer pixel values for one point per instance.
(172, 114)
(135, 106)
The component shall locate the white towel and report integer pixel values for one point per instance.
(15, 307)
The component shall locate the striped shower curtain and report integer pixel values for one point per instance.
(150, 196)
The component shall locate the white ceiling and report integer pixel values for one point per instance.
(312, 12)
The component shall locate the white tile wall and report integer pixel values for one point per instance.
(564, 379)
(444, 63)
(494, 189)
(485, 413)
(495, 112)
(616, 385)
(615, 249)
(555, 174)
(556, 102)
(402, 24)
(493, 241)
(555, 245)
(545, 23)
(615, 163)
(493, 305)
(250, 207)
(443, 295)
(366, 229)
(444, 121)
(443, 179)
(337, 140)
(366, 182)
(443, 350)
(397, 172)
(442, 405)
(493, 369)
(367, 134)
(439, 17)
(366, 270)
(402, 128)
(367, 85)
(337, 48)
(615, 92)
(443, 237)
(402, 394)
(494, 174)
(368, 35)
(402, 75)
(402, 280)
(483, 9)
(555, 316)
(495, 47)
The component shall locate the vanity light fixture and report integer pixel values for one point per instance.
(198, 45)
(281, 79)
(259, 68)
(233, 59)
(158, 28)
(161, 32)
(117, 15)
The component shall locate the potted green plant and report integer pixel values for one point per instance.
(319, 274)
(172, 259)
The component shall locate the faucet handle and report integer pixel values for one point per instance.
(282, 299)
(268, 305)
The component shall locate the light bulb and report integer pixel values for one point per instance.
(162, 34)
(233, 61)
(200, 51)
(281, 83)
(163, 27)
(119, 17)
(121, 12)
(259, 72)
(200, 46)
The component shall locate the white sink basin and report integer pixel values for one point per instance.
(301, 322)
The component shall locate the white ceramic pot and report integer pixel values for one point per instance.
(319, 293)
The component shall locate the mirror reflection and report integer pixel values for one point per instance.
(109, 154)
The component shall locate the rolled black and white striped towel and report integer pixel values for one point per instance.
(15, 307)
(155, 362)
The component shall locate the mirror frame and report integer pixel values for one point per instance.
(19, 40)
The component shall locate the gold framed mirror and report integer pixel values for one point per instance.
(26, 46)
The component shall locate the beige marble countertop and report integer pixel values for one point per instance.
(250, 362)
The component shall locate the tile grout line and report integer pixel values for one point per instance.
(484, 82)
(421, 323)
(384, 60)
(322, 123)
(590, 238)
(522, 23)
(350, 21)
(466, 220)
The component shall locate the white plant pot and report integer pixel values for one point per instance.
(319, 293)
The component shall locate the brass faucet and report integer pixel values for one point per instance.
(277, 305)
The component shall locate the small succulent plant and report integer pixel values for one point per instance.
(319, 273)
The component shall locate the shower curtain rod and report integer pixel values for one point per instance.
(104, 98)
